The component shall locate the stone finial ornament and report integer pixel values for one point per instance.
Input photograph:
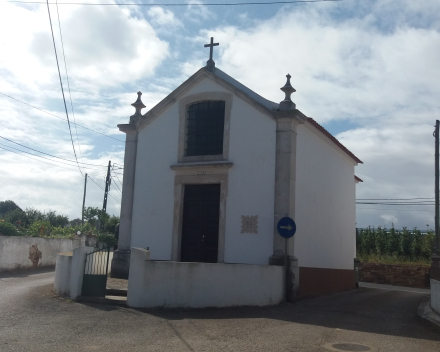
(138, 105)
(287, 103)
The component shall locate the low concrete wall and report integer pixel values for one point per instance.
(170, 284)
(69, 272)
(62, 274)
(398, 275)
(15, 251)
(435, 295)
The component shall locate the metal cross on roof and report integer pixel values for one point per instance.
(210, 62)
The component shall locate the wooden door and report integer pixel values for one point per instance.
(200, 225)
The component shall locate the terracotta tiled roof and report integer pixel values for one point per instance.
(333, 139)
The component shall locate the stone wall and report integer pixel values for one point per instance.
(19, 252)
(398, 275)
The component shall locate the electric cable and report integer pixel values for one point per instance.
(61, 84)
(181, 4)
(49, 113)
(116, 184)
(39, 156)
(103, 189)
(68, 83)
(53, 156)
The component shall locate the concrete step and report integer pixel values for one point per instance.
(115, 292)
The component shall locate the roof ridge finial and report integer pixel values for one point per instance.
(210, 64)
(138, 105)
(287, 103)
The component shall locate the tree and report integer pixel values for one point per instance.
(6, 229)
(7, 206)
(56, 220)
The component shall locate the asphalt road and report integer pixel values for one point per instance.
(33, 319)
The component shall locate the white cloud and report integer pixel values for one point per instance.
(104, 46)
(389, 219)
(164, 18)
(197, 13)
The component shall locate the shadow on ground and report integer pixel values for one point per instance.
(365, 309)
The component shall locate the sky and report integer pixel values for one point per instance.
(368, 71)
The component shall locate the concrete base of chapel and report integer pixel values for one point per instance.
(322, 281)
(292, 274)
(120, 264)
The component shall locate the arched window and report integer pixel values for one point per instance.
(205, 128)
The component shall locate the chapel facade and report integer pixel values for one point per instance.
(210, 170)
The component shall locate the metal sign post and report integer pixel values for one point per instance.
(286, 228)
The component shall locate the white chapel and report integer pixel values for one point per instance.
(210, 170)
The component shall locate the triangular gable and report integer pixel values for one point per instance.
(219, 77)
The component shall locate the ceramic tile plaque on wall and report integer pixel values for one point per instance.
(249, 224)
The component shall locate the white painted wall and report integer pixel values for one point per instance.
(14, 250)
(196, 285)
(325, 203)
(63, 269)
(251, 182)
(69, 272)
(435, 295)
(153, 203)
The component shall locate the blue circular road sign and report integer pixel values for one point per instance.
(286, 227)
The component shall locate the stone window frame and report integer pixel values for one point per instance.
(184, 103)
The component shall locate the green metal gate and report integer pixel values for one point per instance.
(95, 273)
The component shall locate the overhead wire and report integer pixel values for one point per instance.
(61, 84)
(71, 197)
(68, 83)
(53, 156)
(49, 113)
(393, 198)
(116, 184)
(42, 157)
(118, 178)
(103, 189)
(181, 4)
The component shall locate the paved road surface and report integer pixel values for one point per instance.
(33, 319)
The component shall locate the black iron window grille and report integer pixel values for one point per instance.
(205, 126)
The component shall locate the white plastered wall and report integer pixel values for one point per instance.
(325, 210)
(250, 189)
(251, 184)
(153, 202)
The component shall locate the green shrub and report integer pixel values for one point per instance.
(40, 228)
(394, 246)
(107, 239)
(7, 229)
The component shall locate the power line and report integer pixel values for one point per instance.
(71, 197)
(103, 189)
(68, 83)
(393, 198)
(116, 185)
(180, 4)
(429, 211)
(49, 113)
(117, 176)
(26, 156)
(39, 156)
(61, 84)
(407, 203)
(53, 156)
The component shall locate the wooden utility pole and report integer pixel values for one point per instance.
(107, 186)
(437, 237)
(84, 199)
